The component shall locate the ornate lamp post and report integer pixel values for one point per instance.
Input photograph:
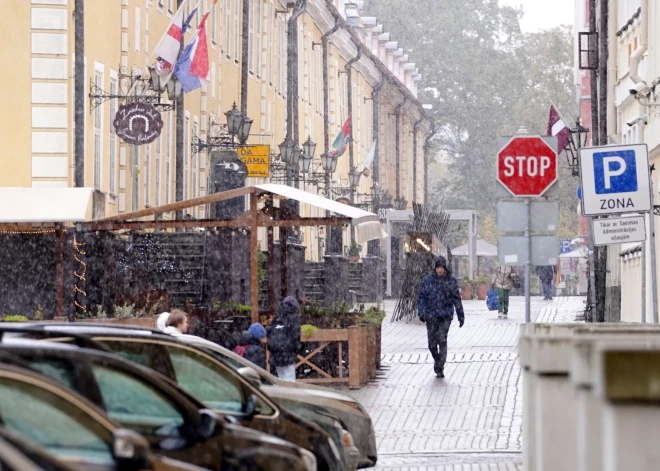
(577, 140)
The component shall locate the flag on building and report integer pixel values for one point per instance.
(342, 140)
(168, 48)
(557, 127)
(369, 160)
(193, 65)
(186, 24)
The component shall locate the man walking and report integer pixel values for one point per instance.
(438, 296)
(547, 276)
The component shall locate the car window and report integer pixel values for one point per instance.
(207, 380)
(136, 404)
(59, 370)
(146, 354)
(49, 420)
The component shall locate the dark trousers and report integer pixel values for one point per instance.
(547, 288)
(437, 330)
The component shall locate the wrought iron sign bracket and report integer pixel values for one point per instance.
(131, 88)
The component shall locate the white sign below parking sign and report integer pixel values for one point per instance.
(615, 179)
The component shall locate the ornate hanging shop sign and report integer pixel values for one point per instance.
(138, 123)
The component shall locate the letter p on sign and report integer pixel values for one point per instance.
(615, 172)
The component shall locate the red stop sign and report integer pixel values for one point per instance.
(527, 166)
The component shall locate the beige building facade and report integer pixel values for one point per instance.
(37, 119)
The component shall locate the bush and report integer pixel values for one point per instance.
(14, 318)
(482, 280)
(308, 330)
(373, 316)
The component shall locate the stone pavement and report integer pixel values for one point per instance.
(472, 419)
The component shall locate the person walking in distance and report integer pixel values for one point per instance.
(502, 281)
(546, 274)
(284, 339)
(438, 297)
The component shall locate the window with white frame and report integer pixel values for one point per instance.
(237, 32)
(98, 81)
(112, 182)
(271, 36)
(157, 170)
(251, 46)
(195, 182)
(147, 175)
(258, 20)
(214, 25)
(170, 6)
(228, 27)
(283, 47)
(135, 182)
(168, 159)
(138, 29)
(186, 165)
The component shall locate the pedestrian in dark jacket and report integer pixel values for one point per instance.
(547, 276)
(438, 297)
(249, 347)
(284, 339)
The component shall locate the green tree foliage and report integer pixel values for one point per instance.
(485, 79)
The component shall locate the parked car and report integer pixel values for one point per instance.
(18, 454)
(352, 416)
(41, 412)
(173, 422)
(199, 372)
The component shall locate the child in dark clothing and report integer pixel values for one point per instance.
(250, 347)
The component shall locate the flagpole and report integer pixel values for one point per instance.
(162, 38)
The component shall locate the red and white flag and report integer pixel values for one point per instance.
(169, 46)
(557, 127)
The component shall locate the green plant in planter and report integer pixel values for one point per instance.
(14, 318)
(261, 270)
(482, 280)
(308, 330)
(373, 315)
(355, 250)
(125, 312)
(465, 282)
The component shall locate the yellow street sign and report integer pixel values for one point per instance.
(256, 158)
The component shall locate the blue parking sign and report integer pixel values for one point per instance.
(615, 172)
(614, 180)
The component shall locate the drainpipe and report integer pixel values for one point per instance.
(397, 113)
(349, 75)
(643, 44)
(245, 56)
(326, 87)
(415, 129)
(375, 123)
(427, 146)
(612, 75)
(292, 72)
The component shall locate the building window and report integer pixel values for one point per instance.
(157, 171)
(228, 27)
(147, 175)
(187, 158)
(137, 29)
(170, 6)
(214, 25)
(237, 31)
(271, 38)
(195, 183)
(112, 185)
(251, 54)
(168, 160)
(258, 21)
(98, 81)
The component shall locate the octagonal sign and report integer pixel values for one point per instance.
(527, 166)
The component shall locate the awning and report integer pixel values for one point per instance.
(367, 225)
(484, 249)
(45, 205)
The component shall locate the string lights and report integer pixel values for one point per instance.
(81, 276)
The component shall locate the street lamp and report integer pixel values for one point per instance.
(244, 130)
(287, 149)
(577, 139)
(234, 120)
(174, 89)
(354, 177)
(309, 147)
(326, 162)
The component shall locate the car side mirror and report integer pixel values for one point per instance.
(252, 405)
(207, 423)
(251, 376)
(130, 449)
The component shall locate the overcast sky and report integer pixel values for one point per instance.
(544, 14)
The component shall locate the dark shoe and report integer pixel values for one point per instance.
(441, 374)
(437, 368)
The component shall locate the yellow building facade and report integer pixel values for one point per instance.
(37, 119)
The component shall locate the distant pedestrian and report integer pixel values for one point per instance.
(177, 322)
(439, 296)
(502, 281)
(284, 339)
(547, 276)
(249, 347)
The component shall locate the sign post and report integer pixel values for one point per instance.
(527, 168)
(617, 180)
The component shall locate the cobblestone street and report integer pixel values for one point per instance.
(472, 419)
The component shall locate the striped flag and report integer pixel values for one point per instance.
(342, 140)
(557, 127)
(193, 65)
